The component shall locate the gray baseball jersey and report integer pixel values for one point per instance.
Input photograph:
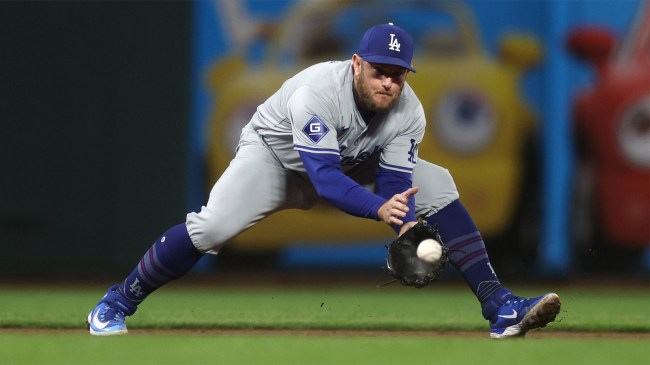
(314, 112)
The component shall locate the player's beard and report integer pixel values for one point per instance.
(366, 96)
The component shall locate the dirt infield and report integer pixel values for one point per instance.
(534, 334)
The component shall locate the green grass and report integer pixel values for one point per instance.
(389, 308)
(396, 308)
(240, 349)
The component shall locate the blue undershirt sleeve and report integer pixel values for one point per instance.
(391, 182)
(332, 184)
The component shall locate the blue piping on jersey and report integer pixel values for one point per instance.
(395, 167)
(315, 150)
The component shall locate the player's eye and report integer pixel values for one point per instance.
(378, 71)
(634, 133)
(464, 121)
(396, 75)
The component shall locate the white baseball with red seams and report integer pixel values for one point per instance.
(429, 250)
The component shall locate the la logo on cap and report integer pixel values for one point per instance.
(394, 44)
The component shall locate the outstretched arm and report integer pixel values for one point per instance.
(346, 194)
(324, 171)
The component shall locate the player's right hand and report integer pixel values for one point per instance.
(393, 210)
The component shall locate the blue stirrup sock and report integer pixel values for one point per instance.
(169, 258)
(466, 249)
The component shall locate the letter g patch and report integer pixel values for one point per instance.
(315, 129)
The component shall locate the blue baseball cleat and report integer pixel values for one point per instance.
(514, 316)
(107, 319)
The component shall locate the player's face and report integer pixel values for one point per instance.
(378, 86)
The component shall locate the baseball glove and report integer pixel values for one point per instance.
(403, 263)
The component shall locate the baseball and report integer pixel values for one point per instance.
(429, 250)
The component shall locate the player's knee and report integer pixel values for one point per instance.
(437, 188)
(208, 232)
(449, 184)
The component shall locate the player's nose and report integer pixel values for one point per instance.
(387, 82)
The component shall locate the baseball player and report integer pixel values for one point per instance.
(344, 133)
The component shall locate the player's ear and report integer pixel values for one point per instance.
(356, 63)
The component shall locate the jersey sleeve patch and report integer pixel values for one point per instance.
(315, 129)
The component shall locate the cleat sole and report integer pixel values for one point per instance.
(542, 313)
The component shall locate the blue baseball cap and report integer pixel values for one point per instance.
(388, 44)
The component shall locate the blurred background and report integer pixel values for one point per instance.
(117, 118)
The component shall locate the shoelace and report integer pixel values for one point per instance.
(516, 300)
(115, 313)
